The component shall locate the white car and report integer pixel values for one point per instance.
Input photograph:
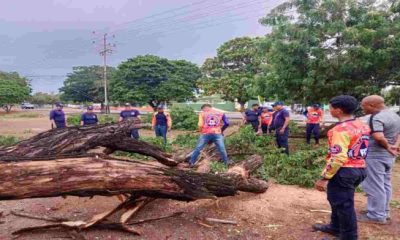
(27, 106)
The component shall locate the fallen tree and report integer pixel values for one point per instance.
(78, 141)
(101, 175)
(61, 162)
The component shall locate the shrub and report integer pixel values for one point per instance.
(186, 140)
(184, 118)
(246, 141)
(301, 168)
(218, 167)
(6, 141)
(74, 120)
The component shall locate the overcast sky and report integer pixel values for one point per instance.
(44, 39)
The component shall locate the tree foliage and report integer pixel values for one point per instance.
(154, 80)
(41, 98)
(232, 72)
(85, 84)
(14, 89)
(321, 48)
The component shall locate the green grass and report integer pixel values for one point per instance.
(22, 115)
(6, 141)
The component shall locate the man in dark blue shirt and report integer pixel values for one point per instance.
(252, 116)
(57, 117)
(128, 113)
(89, 117)
(280, 123)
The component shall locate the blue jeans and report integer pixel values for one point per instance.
(313, 128)
(282, 140)
(161, 131)
(218, 139)
(135, 133)
(341, 198)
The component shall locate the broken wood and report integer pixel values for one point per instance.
(107, 176)
(78, 141)
(177, 214)
(223, 221)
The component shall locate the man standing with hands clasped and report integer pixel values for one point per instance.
(382, 152)
(345, 167)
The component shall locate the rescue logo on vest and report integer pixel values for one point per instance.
(336, 149)
(212, 120)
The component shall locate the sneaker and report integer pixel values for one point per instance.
(326, 229)
(364, 212)
(365, 219)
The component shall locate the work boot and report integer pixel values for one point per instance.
(365, 219)
(326, 229)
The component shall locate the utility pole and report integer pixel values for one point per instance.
(106, 48)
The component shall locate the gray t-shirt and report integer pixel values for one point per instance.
(385, 121)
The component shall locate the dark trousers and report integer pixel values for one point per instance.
(313, 129)
(254, 125)
(135, 133)
(282, 140)
(161, 131)
(265, 129)
(341, 198)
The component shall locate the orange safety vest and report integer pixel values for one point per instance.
(266, 118)
(314, 116)
(210, 122)
(348, 146)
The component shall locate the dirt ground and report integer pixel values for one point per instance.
(283, 212)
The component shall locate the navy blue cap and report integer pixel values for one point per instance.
(58, 104)
(90, 108)
(278, 103)
(316, 105)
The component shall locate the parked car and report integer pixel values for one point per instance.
(27, 106)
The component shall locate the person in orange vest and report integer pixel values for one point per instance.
(211, 125)
(345, 167)
(161, 123)
(315, 116)
(266, 120)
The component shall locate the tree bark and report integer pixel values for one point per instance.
(78, 141)
(106, 176)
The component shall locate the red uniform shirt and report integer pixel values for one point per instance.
(314, 116)
(266, 118)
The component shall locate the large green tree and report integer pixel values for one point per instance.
(14, 89)
(85, 84)
(321, 48)
(232, 72)
(154, 80)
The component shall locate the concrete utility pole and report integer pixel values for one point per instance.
(107, 48)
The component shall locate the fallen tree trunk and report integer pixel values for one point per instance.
(78, 141)
(106, 176)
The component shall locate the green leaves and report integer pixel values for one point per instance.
(85, 84)
(330, 47)
(11, 93)
(153, 80)
(232, 73)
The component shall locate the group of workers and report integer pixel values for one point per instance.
(359, 152)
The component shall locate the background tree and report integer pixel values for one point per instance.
(41, 98)
(14, 89)
(321, 48)
(85, 84)
(232, 72)
(153, 80)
